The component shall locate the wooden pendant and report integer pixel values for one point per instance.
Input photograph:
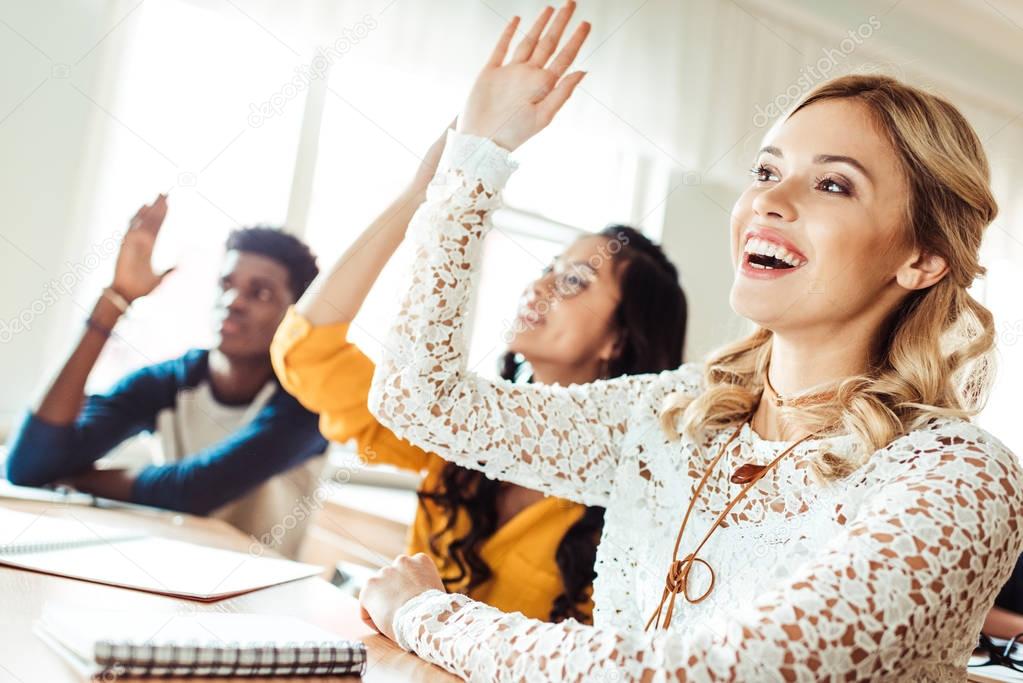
(744, 474)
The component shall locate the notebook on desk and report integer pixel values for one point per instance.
(993, 674)
(105, 644)
(63, 495)
(118, 557)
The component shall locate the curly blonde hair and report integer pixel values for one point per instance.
(935, 356)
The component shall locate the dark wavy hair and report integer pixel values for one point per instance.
(651, 319)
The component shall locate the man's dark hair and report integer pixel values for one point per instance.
(288, 250)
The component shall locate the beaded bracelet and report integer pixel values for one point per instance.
(96, 327)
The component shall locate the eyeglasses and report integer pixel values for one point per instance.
(571, 278)
(997, 651)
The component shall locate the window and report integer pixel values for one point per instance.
(181, 119)
(369, 149)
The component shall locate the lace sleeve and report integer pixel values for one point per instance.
(904, 589)
(561, 440)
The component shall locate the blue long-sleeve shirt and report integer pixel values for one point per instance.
(281, 435)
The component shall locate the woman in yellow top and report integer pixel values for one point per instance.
(610, 305)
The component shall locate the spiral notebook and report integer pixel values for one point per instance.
(79, 549)
(101, 644)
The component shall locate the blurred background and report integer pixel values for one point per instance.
(312, 114)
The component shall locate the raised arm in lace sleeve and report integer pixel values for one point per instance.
(561, 440)
(899, 596)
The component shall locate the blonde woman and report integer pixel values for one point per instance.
(811, 503)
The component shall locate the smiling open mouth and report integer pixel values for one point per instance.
(764, 255)
(759, 261)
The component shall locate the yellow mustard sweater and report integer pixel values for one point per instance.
(330, 376)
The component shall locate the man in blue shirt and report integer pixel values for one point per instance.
(235, 444)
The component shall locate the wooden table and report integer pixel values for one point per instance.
(26, 659)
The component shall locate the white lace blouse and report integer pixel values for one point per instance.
(884, 575)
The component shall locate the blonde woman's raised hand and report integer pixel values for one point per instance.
(514, 100)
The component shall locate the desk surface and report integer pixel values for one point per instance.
(25, 659)
(993, 674)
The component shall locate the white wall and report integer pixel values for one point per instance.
(49, 54)
(697, 240)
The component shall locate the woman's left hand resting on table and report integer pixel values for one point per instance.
(391, 587)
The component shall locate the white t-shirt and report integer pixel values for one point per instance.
(275, 513)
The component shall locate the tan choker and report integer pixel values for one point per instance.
(783, 402)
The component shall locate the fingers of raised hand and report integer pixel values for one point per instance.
(139, 216)
(527, 44)
(157, 213)
(568, 53)
(549, 42)
(136, 238)
(553, 103)
(501, 49)
(150, 216)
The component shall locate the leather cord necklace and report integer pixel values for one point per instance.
(745, 473)
(678, 573)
